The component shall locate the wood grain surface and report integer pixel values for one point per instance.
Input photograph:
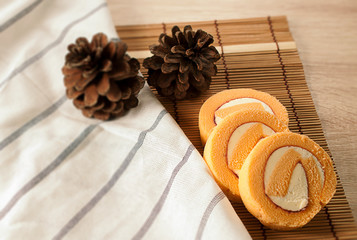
(325, 32)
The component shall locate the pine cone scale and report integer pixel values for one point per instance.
(79, 103)
(210, 53)
(82, 43)
(109, 107)
(203, 40)
(70, 81)
(121, 49)
(131, 103)
(79, 62)
(199, 63)
(169, 67)
(122, 71)
(90, 96)
(71, 93)
(82, 83)
(182, 87)
(179, 94)
(172, 58)
(98, 106)
(118, 108)
(198, 77)
(158, 50)
(187, 28)
(189, 52)
(181, 39)
(101, 115)
(107, 66)
(126, 92)
(136, 85)
(169, 41)
(164, 80)
(153, 63)
(114, 94)
(210, 70)
(98, 41)
(90, 74)
(134, 65)
(103, 85)
(167, 91)
(205, 62)
(184, 65)
(87, 112)
(68, 71)
(183, 77)
(178, 49)
(110, 50)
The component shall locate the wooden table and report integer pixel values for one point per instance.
(325, 32)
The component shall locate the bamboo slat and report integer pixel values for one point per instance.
(257, 53)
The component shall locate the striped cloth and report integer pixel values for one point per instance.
(63, 176)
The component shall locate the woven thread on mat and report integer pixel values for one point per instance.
(284, 74)
(222, 54)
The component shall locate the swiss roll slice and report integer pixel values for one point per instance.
(231, 142)
(286, 179)
(220, 105)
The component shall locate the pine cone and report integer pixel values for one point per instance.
(101, 78)
(183, 64)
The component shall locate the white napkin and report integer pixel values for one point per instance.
(63, 176)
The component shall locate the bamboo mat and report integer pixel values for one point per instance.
(257, 53)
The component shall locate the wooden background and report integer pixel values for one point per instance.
(325, 32)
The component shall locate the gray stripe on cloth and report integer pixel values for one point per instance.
(106, 188)
(207, 214)
(44, 51)
(45, 172)
(19, 15)
(13, 136)
(156, 210)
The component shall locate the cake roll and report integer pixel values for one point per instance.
(286, 179)
(220, 105)
(231, 142)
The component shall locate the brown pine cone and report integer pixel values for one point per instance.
(182, 65)
(101, 78)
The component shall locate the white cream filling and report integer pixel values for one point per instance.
(237, 135)
(239, 101)
(297, 197)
